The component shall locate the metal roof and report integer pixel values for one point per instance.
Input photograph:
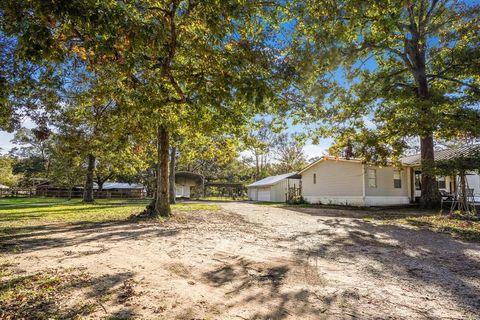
(268, 181)
(119, 185)
(446, 154)
(182, 176)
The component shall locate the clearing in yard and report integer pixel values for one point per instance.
(229, 260)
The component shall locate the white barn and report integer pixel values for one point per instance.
(274, 188)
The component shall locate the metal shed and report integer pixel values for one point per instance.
(274, 188)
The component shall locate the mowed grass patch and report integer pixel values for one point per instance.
(12, 201)
(458, 228)
(14, 215)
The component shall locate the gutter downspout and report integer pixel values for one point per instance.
(363, 184)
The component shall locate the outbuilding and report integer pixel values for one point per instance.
(186, 182)
(274, 188)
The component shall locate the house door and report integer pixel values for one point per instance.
(418, 184)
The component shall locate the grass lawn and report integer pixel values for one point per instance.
(458, 228)
(16, 213)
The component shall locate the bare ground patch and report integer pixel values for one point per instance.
(250, 262)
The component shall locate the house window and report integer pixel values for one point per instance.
(314, 178)
(372, 178)
(441, 183)
(397, 179)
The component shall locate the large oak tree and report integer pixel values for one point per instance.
(181, 64)
(375, 73)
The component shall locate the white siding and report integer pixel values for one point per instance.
(474, 183)
(346, 183)
(337, 182)
(264, 194)
(183, 188)
(277, 192)
(251, 193)
(385, 183)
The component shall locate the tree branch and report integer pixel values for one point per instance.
(474, 88)
(160, 9)
(177, 88)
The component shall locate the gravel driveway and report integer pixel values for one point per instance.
(367, 269)
(250, 261)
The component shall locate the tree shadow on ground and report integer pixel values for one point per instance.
(64, 294)
(419, 257)
(51, 210)
(360, 212)
(55, 235)
(423, 265)
(248, 283)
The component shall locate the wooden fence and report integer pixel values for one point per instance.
(14, 192)
(63, 193)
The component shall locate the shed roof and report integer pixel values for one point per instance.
(446, 154)
(182, 176)
(268, 181)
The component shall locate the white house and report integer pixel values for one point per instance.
(341, 181)
(351, 182)
(274, 188)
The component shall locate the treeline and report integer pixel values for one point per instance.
(127, 83)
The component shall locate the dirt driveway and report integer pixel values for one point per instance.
(258, 262)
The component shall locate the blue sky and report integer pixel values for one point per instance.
(310, 149)
(5, 137)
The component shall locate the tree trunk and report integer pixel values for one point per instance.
(173, 155)
(430, 197)
(162, 204)
(88, 192)
(257, 167)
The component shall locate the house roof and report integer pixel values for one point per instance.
(187, 175)
(446, 154)
(2, 186)
(119, 185)
(268, 181)
(328, 158)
